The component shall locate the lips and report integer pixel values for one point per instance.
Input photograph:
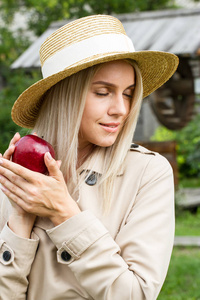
(110, 127)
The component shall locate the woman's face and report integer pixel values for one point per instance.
(107, 105)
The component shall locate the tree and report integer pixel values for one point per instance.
(39, 15)
(188, 145)
(42, 13)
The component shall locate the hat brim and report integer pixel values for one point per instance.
(156, 68)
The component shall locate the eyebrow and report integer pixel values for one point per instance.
(111, 84)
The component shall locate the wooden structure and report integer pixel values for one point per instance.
(168, 150)
(173, 103)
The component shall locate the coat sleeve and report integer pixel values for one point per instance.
(134, 265)
(16, 257)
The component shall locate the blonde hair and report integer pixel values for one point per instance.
(59, 122)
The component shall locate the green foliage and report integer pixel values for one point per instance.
(42, 13)
(188, 146)
(11, 46)
(16, 83)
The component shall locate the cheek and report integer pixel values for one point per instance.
(88, 114)
(93, 110)
(88, 119)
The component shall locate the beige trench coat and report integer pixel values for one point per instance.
(122, 255)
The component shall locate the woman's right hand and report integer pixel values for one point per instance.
(20, 221)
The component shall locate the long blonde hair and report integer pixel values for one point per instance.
(59, 122)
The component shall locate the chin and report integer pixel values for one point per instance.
(105, 144)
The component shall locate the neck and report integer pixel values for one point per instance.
(84, 153)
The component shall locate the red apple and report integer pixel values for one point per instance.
(29, 153)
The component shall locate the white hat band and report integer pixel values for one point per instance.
(101, 44)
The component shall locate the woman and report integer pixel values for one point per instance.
(101, 225)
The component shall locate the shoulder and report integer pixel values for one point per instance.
(140, 154)
(141, 158)
(140, 149)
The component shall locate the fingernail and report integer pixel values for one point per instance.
(1, 161)
(49, 156)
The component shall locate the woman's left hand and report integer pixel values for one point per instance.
(38, 194)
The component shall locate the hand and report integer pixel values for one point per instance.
(38, 194)
(20, 221)
(17, 210)
(11, 148)
(9, 152)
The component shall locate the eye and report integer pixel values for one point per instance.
(128, 96)
(129, 93)
(101, 94)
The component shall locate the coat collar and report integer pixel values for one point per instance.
(97, 160)
(95, 164)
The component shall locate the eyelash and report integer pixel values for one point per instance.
(128, 96)
(102, 94)
(106, 94)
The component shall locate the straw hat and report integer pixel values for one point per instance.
(83, 43)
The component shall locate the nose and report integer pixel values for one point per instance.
(118, 106)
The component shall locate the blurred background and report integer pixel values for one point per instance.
(169, 121)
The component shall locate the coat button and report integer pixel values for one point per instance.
(134, 145)
(65, 256)
(91, 179)
(6, 256)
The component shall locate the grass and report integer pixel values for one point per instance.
(189, 183)
(187, 223)
(183, 278)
